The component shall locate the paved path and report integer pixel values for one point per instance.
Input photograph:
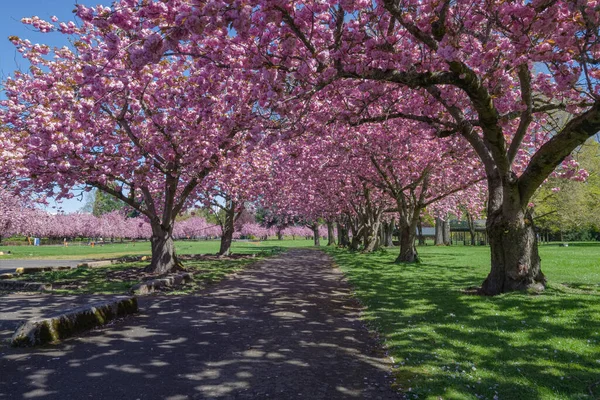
(11, 265)
(283, 329)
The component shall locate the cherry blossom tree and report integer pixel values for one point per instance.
(15, 214)
(98, 116)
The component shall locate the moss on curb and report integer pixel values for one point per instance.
(61, 326)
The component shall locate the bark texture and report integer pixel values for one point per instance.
(513, 243)
(164, 258)
(408, 251)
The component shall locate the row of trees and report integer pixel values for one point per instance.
(358, 113)
(16, 218)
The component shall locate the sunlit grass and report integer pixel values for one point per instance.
(114, 250)
(450, 345)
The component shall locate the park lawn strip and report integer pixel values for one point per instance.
(452, 345)
(116, 250)
(120, 278)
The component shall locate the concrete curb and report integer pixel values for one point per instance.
(96, 264)
(105, 263)
(33, 270)
(155, 284)
(40, 331)
(20, 286)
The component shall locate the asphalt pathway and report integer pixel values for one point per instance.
(285, 328)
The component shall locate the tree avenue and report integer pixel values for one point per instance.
(159, 93)
(470, 70)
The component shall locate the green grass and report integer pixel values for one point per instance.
(115, 250)
(103, 281)
(450, 345)
(87, 280)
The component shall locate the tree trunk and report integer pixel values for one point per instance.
(388, 233)
(330, 234)
(371, 237)
(228, 229)
(357, 233)
(439, 232)
(446, 233)
(315, 229)
(420, 232)
(471, 223)
(164, 258)
(513, 243)
(343, 235)
(408, 251)
(279, 234)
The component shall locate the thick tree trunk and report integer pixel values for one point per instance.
(408, 251)
(315, 229)
(330, 234)
(164, 258)
(279, 234)
(513, 243)
(228, 229)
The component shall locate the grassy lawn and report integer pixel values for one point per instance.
(450, 345)
(115, 250)
(119, 278)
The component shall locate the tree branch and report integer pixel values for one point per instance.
(526, 115)
(555, 150)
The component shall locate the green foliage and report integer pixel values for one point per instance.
(105, 203)
(575, 208)
(452, 345)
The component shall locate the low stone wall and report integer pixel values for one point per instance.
(33, 270)
(70, 322)
(155, 284)
(20, 286)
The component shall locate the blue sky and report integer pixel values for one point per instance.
(10, 60)
(10, 24)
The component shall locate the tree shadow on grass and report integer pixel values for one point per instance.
(453, 345)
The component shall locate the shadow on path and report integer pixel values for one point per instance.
(285, 328)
